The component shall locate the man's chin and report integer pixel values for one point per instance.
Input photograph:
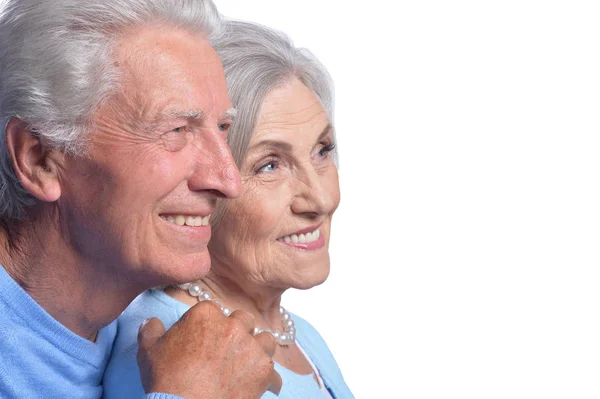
(184, 269)
(193, 270)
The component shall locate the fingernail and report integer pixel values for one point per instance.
(144, 323)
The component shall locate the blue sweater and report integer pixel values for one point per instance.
(122, 378)
(41, 358)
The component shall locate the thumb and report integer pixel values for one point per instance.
(275, 383)
(150, 331)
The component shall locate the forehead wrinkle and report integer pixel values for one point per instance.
(294, 117)
(290, 124)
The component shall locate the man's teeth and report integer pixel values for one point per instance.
(194, 221)
(302, 238)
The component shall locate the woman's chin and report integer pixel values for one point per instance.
(312, 278)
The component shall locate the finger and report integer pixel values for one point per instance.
(275, 383)
(245, 318)
(268, 342)
(150, 331)
(204, 309)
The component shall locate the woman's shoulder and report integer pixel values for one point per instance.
(121, 377)
(306, 330)
(311, 340)
(152, 303)
(316, 348)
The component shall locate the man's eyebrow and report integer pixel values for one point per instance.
(229, 114)
(170, 114)
(176, 113)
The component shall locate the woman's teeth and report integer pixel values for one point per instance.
(181, 220)
(302, 238)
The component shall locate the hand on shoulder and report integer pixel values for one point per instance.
(207, 355)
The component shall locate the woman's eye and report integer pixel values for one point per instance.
(326, 149)
(269, 167)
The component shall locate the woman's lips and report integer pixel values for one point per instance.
(310, 240)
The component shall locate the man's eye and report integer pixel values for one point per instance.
(179, 129)
(224, 126)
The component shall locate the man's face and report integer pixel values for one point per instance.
(158, 158)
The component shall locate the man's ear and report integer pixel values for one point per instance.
(32, 161)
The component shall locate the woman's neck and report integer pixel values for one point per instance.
(262, 302)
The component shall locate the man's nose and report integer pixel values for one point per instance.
(215, 168)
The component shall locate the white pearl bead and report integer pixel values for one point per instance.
(194, 289)
(205, 296)
(283, 338)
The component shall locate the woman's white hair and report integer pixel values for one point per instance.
(56, 68)
(256, 60)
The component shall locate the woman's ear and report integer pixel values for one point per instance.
(33, 162)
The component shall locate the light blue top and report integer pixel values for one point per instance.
(41, 358)
(122, 378)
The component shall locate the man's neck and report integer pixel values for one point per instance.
(74, 292)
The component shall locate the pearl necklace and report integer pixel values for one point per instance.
(287, 337)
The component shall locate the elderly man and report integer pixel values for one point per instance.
(114, 117)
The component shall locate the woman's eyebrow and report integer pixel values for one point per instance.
(287, 147)
(282, 145)
(328, 129)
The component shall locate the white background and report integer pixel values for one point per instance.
(465, 252)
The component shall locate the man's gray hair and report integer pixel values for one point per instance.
(56, 68)
(256, 60)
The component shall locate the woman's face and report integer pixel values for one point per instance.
(277, 233)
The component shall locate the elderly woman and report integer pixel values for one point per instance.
(276, 235)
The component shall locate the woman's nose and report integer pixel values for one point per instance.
(317, 193)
